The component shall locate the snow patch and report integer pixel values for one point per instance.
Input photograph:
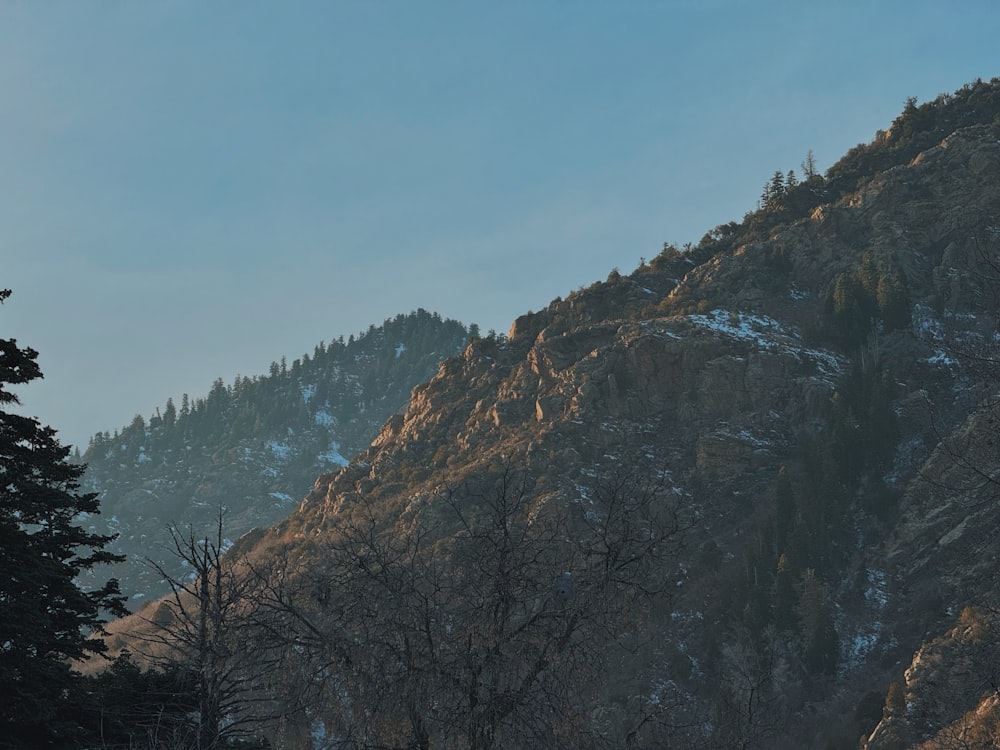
(942, 358)
(281, 451)
(864, 640)
(876, 592)
(318, 733)
(333, 456)
(766, 333)
(742, 326)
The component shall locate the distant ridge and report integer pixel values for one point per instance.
(254, 447)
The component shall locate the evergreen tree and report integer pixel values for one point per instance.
(774, 191)
(169, 415)
(821, 647)
(893, 298)
(784, 509)
(46, 619)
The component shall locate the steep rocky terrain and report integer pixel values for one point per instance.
(254, 448)
(767, 463)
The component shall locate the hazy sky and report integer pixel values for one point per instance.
(191, 190)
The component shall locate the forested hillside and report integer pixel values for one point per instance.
(253, 448)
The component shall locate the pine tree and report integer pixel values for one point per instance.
(46, 619)
(774, 192)
(169, 415)
(821, 647)
(784, 509)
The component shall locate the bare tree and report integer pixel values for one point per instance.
(204, 633)
(486, 618)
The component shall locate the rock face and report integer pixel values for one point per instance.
(721, 375)
(949, 699)
(806, 386)
(724, 394)
(944, 552)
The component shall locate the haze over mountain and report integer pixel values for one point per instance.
(742, 496)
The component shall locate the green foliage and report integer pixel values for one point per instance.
(893, 297)
(45, 617)
(865, 298)
(863, 425)
(821, 646)
(779, 589)
(805, 535)
(851, 309)
(774, 192)
(669, 254)
(784, 508)
(129, 707)
(773, 269)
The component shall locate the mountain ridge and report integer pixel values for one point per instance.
(788, 385)
(252, 448)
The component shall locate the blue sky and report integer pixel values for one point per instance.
(191, 190)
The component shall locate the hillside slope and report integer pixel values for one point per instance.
(253, 448)
(757, 461)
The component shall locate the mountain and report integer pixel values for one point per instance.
(743, 496)
(253, 448)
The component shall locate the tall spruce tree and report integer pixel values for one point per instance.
(46, 619)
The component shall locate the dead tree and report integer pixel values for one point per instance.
(203, 633)
(487, 620)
